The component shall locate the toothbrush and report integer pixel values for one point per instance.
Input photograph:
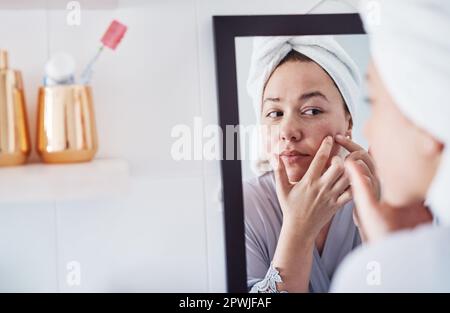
(110, 39)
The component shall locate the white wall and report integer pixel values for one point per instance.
(167, 233)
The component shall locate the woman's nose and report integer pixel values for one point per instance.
(290, 132)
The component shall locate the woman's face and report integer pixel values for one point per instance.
(301, 106)
(406, 156)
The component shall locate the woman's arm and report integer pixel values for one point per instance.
(307, 207)
(293, 258)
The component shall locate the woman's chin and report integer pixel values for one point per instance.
(295, 174)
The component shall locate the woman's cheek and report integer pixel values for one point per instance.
(274, 144)
(376, 137)
(270, 142)
(324, 133)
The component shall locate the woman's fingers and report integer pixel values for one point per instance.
(283, 186)
(355, 217)
(344, 198)
(320, 160)
(341, 185)
(333, 173)
(363, 195)
(364, 168)
(362, 192)
(348, 144)
(369, 174)
(364, 157)
(356, 151)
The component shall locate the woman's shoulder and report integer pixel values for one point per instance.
(261, 187)
(264, 181)
(260, 198)
(407, 261)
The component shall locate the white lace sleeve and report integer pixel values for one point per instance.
(269, 283)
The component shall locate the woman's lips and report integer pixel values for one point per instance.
(291, 157)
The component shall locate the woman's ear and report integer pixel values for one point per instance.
(431, 146)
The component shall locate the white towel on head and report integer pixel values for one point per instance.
(411, 50)
(268, 52)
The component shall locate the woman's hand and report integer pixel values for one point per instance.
(307, 207)
(311, 203)
(376, 218)
(365, 163)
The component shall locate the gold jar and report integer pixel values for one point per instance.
(14, 136)
(66, 130)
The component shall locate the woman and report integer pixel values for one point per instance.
(298, 217)
(409, 134)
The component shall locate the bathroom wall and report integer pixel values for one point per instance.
(166, 233)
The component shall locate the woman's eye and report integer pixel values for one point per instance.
(312, 112)
(274, 114)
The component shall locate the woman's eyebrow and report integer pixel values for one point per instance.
(312, 94)
(271, 100)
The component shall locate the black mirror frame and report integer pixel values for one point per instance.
(226, 29)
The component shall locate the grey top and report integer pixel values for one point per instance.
(263, 220)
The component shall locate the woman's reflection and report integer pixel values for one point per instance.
(299, 219)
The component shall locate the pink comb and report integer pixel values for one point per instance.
(114, 34)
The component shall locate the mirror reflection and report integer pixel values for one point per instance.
(302, 100)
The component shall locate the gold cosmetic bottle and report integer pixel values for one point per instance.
(14, 136)
(66, 130)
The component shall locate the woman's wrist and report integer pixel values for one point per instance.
(293, 259)
(298, 231)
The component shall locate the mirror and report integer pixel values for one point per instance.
(307, 122)
(285, 83)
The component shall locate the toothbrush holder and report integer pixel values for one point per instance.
(15, 143)
(66, 129)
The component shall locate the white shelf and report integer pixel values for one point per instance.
(101, 178)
